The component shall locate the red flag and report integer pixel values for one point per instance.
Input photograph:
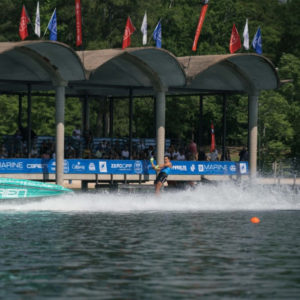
(23, 33)
(213, 141)
(235, 41)
(78, 23)
(200, 23)
(129, 30)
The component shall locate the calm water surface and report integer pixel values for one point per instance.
(182, 246)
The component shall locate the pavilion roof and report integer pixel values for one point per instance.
(113, 72)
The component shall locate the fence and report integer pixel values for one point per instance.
(15, 145)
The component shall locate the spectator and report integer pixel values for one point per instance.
(34, 152)
(201, 155)
(44, 147)
(168, 153)
(150, 151)
(17, 140)
(76, 141)
(243, 154)
(88, 139)
(117, 146)
(76, 134)
(175, 154)
(24, 133)
(227, 155)
(125, 153)
(214, 155)
(141, 145)
(87, 154)
(3, 152)
(103, 145)
(99, 151)
(45, 155)
(192, 148)
(144, 155)
(181, 155)
(70, 151)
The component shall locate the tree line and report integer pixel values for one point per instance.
(103, 27)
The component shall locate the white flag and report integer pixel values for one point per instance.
(246, 36)
(37, 28)
(144, 29)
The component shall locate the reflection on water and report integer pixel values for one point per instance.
(182, 245)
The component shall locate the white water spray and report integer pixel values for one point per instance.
(221, 197)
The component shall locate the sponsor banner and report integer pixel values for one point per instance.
(209, 168)
(12, 166)
(96, 166)
(124, 167)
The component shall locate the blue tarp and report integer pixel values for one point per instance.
(98, 166)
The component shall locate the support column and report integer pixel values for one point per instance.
(160, 126)
(224, 126)
(85, 114)
(111, 118)
(20, 111)
(253, 116)
(29, 120)
(154, 116)
(60, 132)
(130, 122)
(200, 133)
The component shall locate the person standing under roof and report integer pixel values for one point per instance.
(164, 170)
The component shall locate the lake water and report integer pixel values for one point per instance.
(185, 245)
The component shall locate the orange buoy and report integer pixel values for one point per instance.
(255, 220)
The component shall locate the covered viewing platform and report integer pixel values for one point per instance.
(41, 66)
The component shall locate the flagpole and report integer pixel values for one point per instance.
(153, 32)
(32, 26)
(28, 18)
(49, 23)
(83, 39)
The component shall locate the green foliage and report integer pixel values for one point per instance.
(276, 132)
(9, 119)
(103, 27)
(289, 69)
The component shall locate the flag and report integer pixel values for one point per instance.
(235, 41)
(257, 42)
(78, 23)
(23, 32)
(200, 23)
(37, 28)
(213, 141)
(129, 30)
(157, 34)
(52, 26)
(144, 29)
(246, 36)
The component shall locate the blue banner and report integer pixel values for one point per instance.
(96, 166)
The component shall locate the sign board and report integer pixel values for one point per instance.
(98, 166)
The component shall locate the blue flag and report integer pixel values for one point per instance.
(52, 26)
(157, 35)
(257, 42)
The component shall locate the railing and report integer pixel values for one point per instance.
(287, 168)
(16, 147)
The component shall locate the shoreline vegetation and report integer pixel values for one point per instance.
(104, 22)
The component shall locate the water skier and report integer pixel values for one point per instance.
(164, 170)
